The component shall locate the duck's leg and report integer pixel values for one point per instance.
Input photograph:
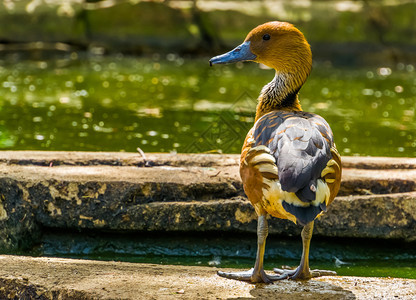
(303, 272)
(257, 273)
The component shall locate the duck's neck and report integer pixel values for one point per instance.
(279, 94)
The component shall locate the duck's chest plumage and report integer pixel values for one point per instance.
(289, 165)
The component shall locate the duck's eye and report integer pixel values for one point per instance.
(266, 37)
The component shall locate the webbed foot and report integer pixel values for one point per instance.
(251, 275)
(302, 274)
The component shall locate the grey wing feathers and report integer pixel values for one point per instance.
(301, 144)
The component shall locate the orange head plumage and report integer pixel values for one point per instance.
(281, 46)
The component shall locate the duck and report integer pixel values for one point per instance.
(289, 164)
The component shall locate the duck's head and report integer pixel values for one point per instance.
(278, 45)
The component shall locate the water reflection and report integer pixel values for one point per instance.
(171, 104)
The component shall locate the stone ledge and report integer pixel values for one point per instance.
(57, 278)
(184, 192)
(44, 158)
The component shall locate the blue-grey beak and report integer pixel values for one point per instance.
(240, 53)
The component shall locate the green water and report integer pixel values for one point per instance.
(170, 103)
(346, 257)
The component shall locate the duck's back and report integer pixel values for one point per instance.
(290, 166)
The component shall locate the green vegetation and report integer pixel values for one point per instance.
(365, 32)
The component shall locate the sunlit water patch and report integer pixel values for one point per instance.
(170, 103)
(346, 257)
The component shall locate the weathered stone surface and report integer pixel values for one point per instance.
(371, 216)
(378, 163)
(18, 229)
(201, 192)
(57, 278)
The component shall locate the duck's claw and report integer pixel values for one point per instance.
(251, 276)
(301, 274)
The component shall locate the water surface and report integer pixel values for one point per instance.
(347, 257)
(169, 103)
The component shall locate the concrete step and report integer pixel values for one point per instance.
(123, 192)
(58, 278)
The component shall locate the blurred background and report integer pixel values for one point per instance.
(116, 75)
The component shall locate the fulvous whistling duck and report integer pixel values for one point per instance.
(289, 164)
